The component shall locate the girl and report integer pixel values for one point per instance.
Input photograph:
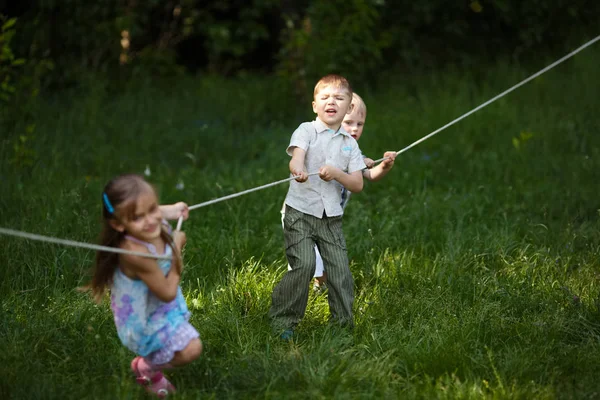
(149, 310)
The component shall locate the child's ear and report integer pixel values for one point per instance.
(314, 105)
(116, 225)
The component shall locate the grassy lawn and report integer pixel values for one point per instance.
(475, 260)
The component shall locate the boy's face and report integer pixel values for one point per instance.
(354, 122)
(331, 105)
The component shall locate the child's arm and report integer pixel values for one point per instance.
(180, 239)
(163, 287)
(147, 269)
(297, 164)
(174, 211)
(369, 162)
(353, 181)
(382, 169)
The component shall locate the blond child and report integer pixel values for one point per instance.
(354, 123)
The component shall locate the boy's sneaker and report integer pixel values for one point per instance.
(287, 335)
(154, 381)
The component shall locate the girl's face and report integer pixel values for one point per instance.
(145, 223)
(331, 105)
(354, 122)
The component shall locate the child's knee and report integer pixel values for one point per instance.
(192, 351)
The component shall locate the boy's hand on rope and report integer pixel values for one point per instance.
(297, 165)
(389, 158)
(300, 174)
(368, 162)
(329, 172)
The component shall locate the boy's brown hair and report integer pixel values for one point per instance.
(334, 80)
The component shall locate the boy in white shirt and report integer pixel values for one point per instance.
(313, 212)
(353, 123)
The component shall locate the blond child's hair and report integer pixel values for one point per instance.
(334, 80)
(359, 105)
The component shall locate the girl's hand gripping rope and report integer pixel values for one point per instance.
(175, 211)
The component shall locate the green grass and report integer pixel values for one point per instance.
(475, 260)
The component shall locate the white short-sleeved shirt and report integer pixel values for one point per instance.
(323, 146)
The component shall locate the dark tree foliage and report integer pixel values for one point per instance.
(298, 40)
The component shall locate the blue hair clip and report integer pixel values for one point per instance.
(107, 204)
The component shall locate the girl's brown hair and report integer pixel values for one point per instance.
(122, 192)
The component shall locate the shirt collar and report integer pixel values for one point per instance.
(321, 127)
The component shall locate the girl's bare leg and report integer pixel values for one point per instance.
(187, 355)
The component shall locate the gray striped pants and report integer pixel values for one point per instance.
(290, 295)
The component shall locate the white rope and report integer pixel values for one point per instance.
(507, 91)
(554, 64)
(231, 196)
(72, 243)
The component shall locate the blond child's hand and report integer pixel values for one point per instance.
(389, 158)
(328, 172)
(368, 162)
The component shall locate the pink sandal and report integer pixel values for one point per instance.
(157, 383)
